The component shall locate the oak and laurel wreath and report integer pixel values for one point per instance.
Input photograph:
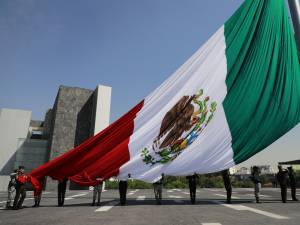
(169, 154)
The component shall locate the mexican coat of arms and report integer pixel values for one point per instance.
(180, 127)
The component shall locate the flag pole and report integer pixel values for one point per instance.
(295, 13)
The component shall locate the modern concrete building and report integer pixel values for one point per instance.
(76, 115)
(266, 169)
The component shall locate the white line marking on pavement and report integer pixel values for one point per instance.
(258, 211)
(233, 197)
(211, 224)
(78, 195)
(214, 190)
(174, 196)
(186, 193)
(107, 207)
(74, 196)
(142, 197)
(266, 196)
(170, 191)
(133, 192)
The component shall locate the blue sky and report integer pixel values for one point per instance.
(131, 45)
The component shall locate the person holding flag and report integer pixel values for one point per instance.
(232, 98)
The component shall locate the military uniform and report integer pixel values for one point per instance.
(227, 184)
(123, 190)
(257, 183)
(292, 183)
(11, 189)
(97, 192)
(157, 187)
(20, 191)
(282, 178)
(61, 191)
(192, 185)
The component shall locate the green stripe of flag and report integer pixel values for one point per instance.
(263, 78)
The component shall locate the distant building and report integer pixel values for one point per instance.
(77, 114)
(266, 169)
(243, 171)
(232, 170)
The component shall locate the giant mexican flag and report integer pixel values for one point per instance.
(235, 96)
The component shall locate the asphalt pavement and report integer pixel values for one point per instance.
(141, 208)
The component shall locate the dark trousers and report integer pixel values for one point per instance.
(293, 192)
(61, 191)
(37, 200)
(158, 192)
(18, 201)
(283, 193)
(123, 191)
(193, 193)
(229, 192)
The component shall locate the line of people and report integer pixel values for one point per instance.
(192, 180)
(17, 191)
(18, 179)
(283, 176)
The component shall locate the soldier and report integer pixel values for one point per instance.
(37, 197)
(20, 188)
(257, 182)
(11, 189)
(192, 185)
(97, 191)
(292, 183)
(61, 191)
(157, 186)
(227, 184)
(123, 190)
(282, 178)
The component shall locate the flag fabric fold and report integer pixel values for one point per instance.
(235, 96)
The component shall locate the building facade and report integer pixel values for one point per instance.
(76, 115)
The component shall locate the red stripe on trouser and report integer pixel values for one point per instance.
(99, 156)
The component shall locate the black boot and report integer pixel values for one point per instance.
(257, 200)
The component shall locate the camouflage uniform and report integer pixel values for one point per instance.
(97, 191)
(11, 189)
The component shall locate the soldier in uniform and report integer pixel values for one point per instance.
(20, 188)
(97, 192)
(61, 191)
(123, 191)
(257, 182)
(11, 189)
(37, 192)
(282, 178)
(227, 184)
(292, 183)
(192, 185)
(157, 187)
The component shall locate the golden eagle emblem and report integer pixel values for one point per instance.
(180, 127)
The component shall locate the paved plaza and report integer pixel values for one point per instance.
(176, 209)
